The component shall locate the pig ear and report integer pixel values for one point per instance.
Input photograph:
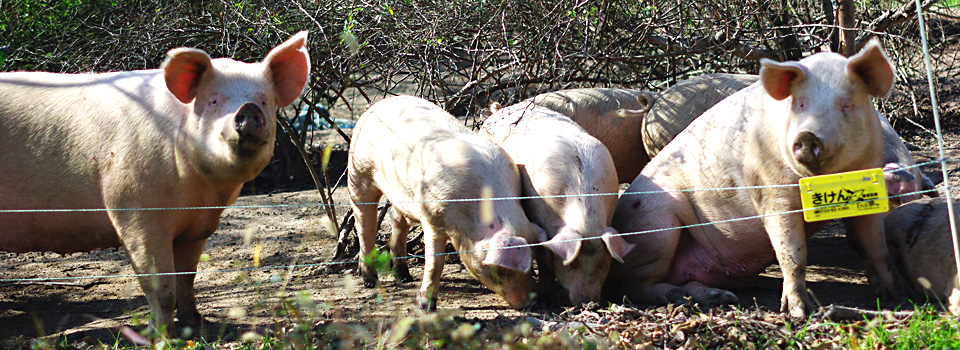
(183, 70)
(289, 66)
(873, 67)
(779, 77)
(566, 244)
(927, 184)
(616, 245)
(509, 251)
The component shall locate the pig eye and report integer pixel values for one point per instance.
(800, 104)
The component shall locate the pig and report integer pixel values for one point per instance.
(677, 106)
(803, 118)
(613, 116)
(918, 235)
(573, 181)
(426, 163)
(188, 134)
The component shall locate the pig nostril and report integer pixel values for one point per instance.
(249, 119)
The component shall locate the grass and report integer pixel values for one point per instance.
(949, 3)
(304, 326)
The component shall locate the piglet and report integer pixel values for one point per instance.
(803, 118)
(573, 181)
(434, 171)
(186, 135)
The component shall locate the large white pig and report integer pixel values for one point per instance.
(677, 106)
(803, 118)
(571, 171)
(918, 234)
(613, 116)
(188, 134)
(426, 163)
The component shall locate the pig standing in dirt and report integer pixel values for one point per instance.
(559, 160)
(613, 116)
(803, 118)
(918, 234)
(186, 135)
(425, 161)
(677, 106)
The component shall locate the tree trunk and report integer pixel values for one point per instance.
(848, 34)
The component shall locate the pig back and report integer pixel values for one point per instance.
(67, 141)
(919, 238)
(677, 106)
(612, 116)
(419, 155)
(557, 157)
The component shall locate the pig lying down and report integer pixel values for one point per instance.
(803, 118)
(558, 158)
(918, 235)
(420, 157)
(677, 106)
(188, 134)
(613, 116)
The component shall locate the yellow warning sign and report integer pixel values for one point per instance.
(843, 195)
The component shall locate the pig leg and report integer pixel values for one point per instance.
(434, 245)
(867, 232)
(152, 258)
(786, 233)
(366, 220)
(185, 258)
(708, 296)
(649, 264)
(548, 289)
(656, 294)
(398, 246)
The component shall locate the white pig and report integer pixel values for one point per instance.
(425, 162)
(918, 234)
(804, 118)
(613, 116)
(185, 135)
(561, 161)
(677, 106)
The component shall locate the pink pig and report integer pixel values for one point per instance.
(572, 171)
(804, 118)
(188, 134)
(426, 163)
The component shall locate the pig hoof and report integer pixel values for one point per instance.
(720, 297)
(192, 320)
(427, 304)
(403, 274)
(370, 281)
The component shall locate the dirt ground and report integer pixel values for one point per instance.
(288, 227)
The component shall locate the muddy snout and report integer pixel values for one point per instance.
(808, 150)
(249, 120)
(250, 123)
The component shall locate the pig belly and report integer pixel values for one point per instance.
(56, 232)
(738, 266)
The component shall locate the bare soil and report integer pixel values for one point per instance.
(287, 226)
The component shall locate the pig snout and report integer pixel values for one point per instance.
(808, 150)
(249, 121)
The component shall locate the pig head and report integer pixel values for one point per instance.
(185, 135)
